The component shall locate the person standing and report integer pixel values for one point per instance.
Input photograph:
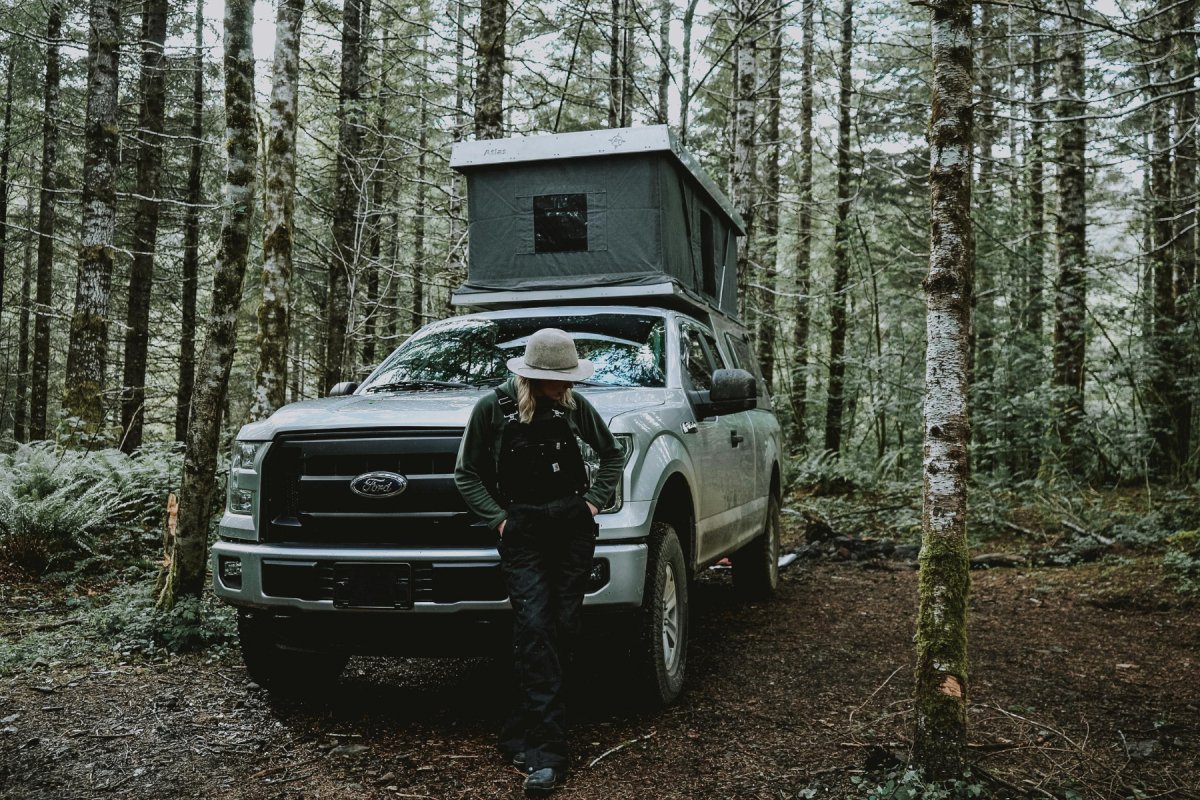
(520, 469)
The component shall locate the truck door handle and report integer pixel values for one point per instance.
(734, 439)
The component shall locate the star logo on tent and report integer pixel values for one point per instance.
(617, 141)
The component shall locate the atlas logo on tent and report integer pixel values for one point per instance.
(379, 484)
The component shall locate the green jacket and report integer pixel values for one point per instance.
(475, 470)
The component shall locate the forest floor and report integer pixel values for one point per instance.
(1084, 684)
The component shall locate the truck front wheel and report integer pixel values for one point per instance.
(661, 649)
(279, 668)
(756, 564)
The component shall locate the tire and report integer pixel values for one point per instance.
(282, 669)
(661, 649)
(756, 564)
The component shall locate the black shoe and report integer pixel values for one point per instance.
(518, 761)
(544, 780)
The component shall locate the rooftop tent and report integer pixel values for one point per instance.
(619, 214)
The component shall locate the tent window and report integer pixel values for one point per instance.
(560, 223)
(708, 255)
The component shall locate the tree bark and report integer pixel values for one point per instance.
(768, 238)
(39, 398)
(489, 69)
(145, 225)
(741, 187)
(614, 67)
(189, 557)
(1036, 278)
(274, 309)
(803, 265)
(347, 191)
(626, 69)
(5, 156)
(939, 735)
(418, 281)
(1185, 232)
(20, 410)
(841, 245)
(664, 64)
(88, 352)
(191, 237)
(685, 69)
(1070, 291)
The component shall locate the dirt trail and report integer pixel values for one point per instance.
(1078, 684)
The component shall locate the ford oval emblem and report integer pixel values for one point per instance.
(379, 484)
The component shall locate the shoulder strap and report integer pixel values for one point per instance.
(508, 406)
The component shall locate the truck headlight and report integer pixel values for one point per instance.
(591, 461)
(243, 477)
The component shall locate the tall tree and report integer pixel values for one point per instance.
(741, 185)
(274, 320)
(347, 192)
(769, 233)
(5, 156)
(88, 353)
(662, 110)
(21, 405)
(1036, 156)
(803, 263)
(939, 732)
(145, 225)
(47, 212)
(685, 69)
(489, 69)
(1185, 230)
(189, 556)
(191, 236)
(835, 403)
(1070, 291)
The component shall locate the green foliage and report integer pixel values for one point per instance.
(58, 505)
(131, 622)
(1182, 561)
(909, 785)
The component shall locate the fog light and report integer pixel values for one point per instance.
(230, 570)
(241, 501)
(599, 575)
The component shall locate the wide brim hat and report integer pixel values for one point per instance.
(550, 355)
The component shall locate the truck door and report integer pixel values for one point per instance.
(722, 449)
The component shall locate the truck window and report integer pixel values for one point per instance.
(698, 364)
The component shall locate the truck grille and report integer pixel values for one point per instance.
(447, 582)
(307, 498)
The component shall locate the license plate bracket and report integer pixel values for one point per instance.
(372, 585)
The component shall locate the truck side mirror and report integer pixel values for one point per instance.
(732, 390)
(344, 388)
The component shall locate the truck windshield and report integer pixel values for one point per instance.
(627, 349)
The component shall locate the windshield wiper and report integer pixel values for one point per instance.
(396, 386)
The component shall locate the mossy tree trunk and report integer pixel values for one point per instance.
(189, 557)
(741, 184)
(145, 225)
(836, 401)
(191, 237)
(489, 69)
(39, 394)
(274, 321)
(939, 738)
(1070, 289)
(802, 268)
(769, 234)
(1185, 233)
(347, 191)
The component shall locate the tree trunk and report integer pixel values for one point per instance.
(39, 398)
(841, 245)
(189, 557)
(20, 411)
(939, 735)
(626, 69)
(418, 281)
(5, 155)
(614, 67)
(489, 69)
(1036, 302)
(274, 314)
(1070, 291)
(685, 69)
(347, 191)
(741, 187)
(981, 270)
(664, 62)
(191, 238)
(145, 225)
(1185, 231)
(768, 238)
(803, 265)
(88, 353)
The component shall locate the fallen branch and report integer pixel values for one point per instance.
(1104, 540)
(621, 746)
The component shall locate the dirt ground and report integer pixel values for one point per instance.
(1084, 685)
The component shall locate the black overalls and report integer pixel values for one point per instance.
(546, 555)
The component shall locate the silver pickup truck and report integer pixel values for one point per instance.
(343, 531)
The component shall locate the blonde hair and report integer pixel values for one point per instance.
(526, 402)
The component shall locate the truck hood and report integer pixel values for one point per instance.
(440, 408)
